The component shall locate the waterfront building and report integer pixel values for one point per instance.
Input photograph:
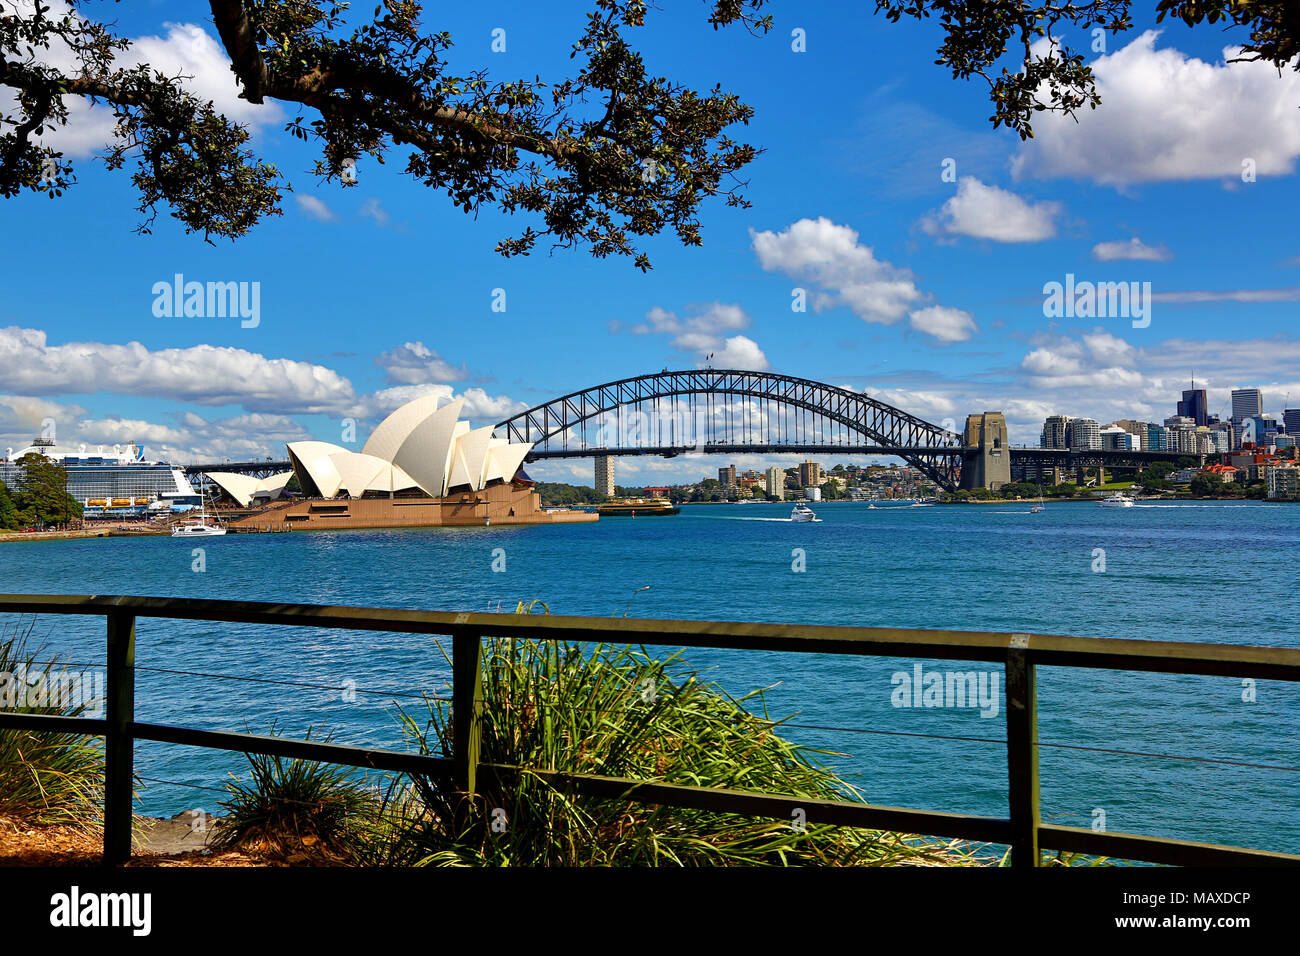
(1084, 433)
(810, 474)
(1056, 432)
(1284, 482)
(727, 476)
(605, 475)
(776, 482)
(421, 467)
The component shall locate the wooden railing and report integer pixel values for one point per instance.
(1022, 830)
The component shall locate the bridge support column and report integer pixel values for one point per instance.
(1081, 476)
(990, 467)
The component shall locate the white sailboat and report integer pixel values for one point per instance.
(200, 528)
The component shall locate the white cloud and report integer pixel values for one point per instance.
(701, 333)
(739, 352)
(1168, 116)
(945, 324)
(373, 209)
(848, 273)
(314, 207)
(982, 211)
(480, 408)
(1134, 248)
(1291, 294)
(1097, 359)
(202, 374)
(414, 363)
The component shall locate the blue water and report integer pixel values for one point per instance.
(1189, 572)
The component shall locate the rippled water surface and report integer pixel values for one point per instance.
(1187, 572)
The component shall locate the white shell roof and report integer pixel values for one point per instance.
(244, 488)
(417, 446)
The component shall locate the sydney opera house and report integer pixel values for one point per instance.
(421, 467)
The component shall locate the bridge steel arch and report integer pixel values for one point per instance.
(936, 451)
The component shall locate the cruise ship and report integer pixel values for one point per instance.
(112, 484)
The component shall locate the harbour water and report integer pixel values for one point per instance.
(1203, 571)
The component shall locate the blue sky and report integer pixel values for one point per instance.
(925, 291)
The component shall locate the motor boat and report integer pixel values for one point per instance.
(1116, 501)
(802, 512)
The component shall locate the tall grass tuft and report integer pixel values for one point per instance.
(615, 711)
(297, 807)
(45, 778)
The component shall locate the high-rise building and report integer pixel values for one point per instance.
(605, 475)
(1291, 419)
(1114, 438)
(1137, 429)
(810, 474)
(727, 476)
(776, 482)
(1157, 438)
(1084, 433)
(1055, 432)
(1246, 402)
(1222, 435)
(1194, 406)
(1182, 434)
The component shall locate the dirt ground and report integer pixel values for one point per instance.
(157, 842)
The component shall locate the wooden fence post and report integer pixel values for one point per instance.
(466, 713)
(119, 747)
(1022, 753)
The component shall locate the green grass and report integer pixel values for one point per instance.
(45, 778)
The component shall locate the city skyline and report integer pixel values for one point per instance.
(925, 289)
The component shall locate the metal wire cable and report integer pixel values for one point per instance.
(821, 727)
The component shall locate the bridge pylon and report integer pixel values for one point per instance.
(990, 466)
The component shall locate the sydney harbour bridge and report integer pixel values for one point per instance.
(729, 411)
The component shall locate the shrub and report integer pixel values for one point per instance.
(298, 807)
(615, 711)
(45, 778)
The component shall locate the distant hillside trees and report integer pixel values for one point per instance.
(556, 494)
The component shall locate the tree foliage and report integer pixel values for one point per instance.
(1017, 46)
(41, 497)
(600, 158)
